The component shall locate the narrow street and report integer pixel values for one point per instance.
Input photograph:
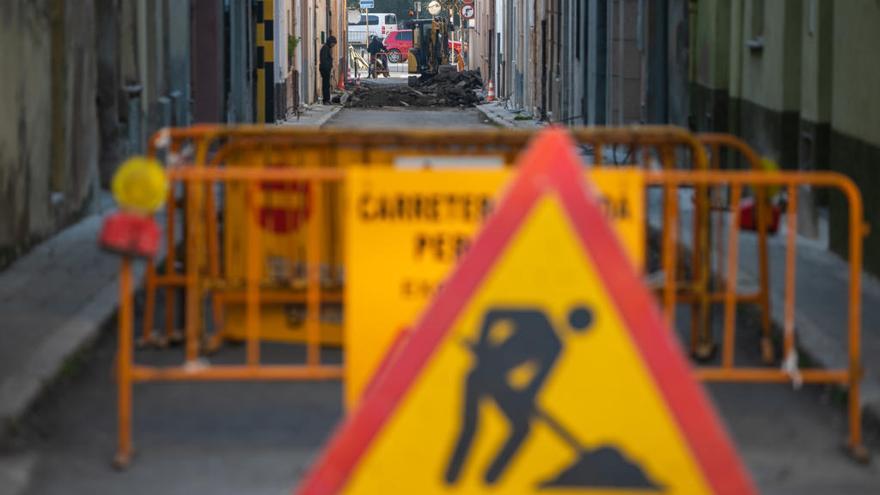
(259, 438)
(231, 438)
(405, 117)
(409, 118)
(255, 438)
(405, 247)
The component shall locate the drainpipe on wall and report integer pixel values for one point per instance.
(165, 115)
(177, 108)
(133, 92)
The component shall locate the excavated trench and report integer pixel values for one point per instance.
(447, 89)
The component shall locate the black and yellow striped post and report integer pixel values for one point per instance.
(264, 15)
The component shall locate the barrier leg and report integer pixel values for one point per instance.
(193, 292)
(253, 261)
(729, 345)
(216, 340)
(856, 448)
(172, 334)
(213, 245)
(148, 337)
(124, 359)
(768, 353)
(790, 267)
(668, 236)
(313, 274)
(856, 234)
(695, 331)
(701, 271)
(670, 253)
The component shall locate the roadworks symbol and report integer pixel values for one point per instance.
(543, 365)
(515, 354)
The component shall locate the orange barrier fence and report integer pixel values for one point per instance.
(195, 180)
(708, 247)
(255, 293)
(257, 146)
(849, 375)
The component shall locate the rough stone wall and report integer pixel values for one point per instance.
(110, 98)
(81, 149)
(25, 126)
(38, 158)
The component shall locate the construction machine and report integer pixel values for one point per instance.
(430, 49)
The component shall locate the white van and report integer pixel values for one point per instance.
(380, 25)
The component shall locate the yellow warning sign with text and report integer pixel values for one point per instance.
(405, 230)
(542, 365)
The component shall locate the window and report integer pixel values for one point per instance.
(391, 19)
(374, 21)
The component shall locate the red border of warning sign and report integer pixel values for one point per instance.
(549, 166)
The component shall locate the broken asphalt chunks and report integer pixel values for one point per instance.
(447, 89)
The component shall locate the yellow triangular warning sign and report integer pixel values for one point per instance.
(543, 365)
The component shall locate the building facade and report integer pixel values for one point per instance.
(83, 85)
(565, 61)
(288, 35)
(101, 76)
(792, 77)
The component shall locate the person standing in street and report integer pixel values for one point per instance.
(325, 66)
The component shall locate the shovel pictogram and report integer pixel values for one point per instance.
(526, 339)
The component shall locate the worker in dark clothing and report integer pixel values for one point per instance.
(511, 341)
(325, 66)
(377, 49)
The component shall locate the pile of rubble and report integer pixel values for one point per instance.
(447, 89)
(456, 88)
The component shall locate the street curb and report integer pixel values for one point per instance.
(317, 123)
(502, 122)
(16, 472)
(19, 391)
(491, 116)
(327, 116)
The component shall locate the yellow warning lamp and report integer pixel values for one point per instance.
(140, 185)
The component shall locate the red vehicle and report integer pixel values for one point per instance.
(398, 43)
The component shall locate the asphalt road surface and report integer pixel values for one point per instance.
(409, 118)
(259, 438)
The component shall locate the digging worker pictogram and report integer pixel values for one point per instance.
(516, 351)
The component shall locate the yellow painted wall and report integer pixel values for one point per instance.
(770, 76)
(816, 47)
(713, 43)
